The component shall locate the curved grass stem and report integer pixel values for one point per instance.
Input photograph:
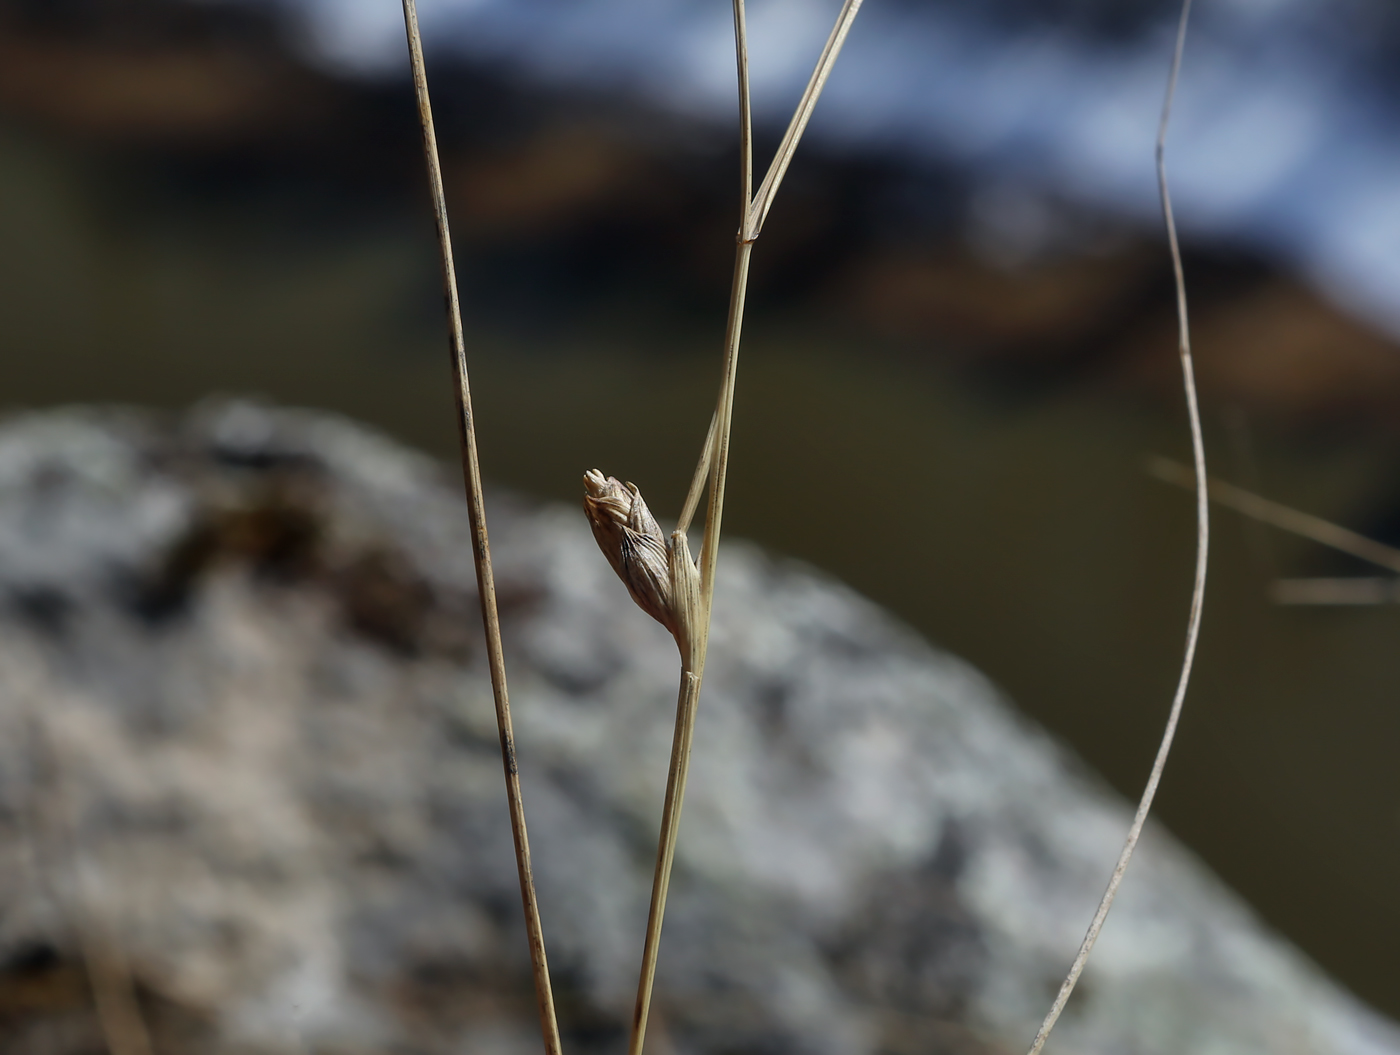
(1198, 590)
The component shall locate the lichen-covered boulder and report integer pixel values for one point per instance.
(250, 788)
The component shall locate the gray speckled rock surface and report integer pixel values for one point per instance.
(245, 726)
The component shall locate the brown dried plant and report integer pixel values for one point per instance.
(666, 581)
(661, 575)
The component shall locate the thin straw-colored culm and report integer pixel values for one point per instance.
(659, 571)
(1198, 588)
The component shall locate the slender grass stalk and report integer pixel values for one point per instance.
(681, 595)
(113, 989)
(108, 967)
(694, 644)
(1348, 591)
(686, 705)
(763, 200)
(1275, 514)
(481, 549)
(1198, 590)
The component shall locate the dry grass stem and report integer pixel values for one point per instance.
(481, 549)
(683, 603)
(1193, 626)
(55, 826)
(763, 201)
(1349, 591)
(1281, 516)
(701, 478)
(113, 991)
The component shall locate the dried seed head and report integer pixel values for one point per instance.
(632, 541)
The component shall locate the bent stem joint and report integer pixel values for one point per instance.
(680, 595)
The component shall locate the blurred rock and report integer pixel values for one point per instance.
(557, 177)
(1052, 309)
(153, 73)
(572, 199)
(1272, 345)
(247, 741)
(1264, 341)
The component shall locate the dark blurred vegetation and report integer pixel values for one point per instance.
(955, 428)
